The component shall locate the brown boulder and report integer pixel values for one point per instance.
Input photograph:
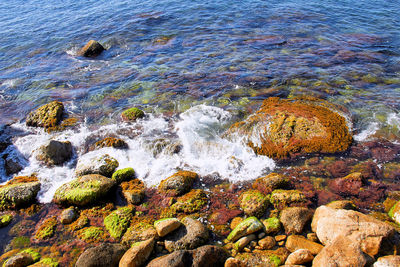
(295, 218)
(104, 255)
(46, 116)
(295, 242)
(138, 254)
(55, 152)
(91, 49)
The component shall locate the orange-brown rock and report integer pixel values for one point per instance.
(284, 128)
(295, 242)
(91, 49)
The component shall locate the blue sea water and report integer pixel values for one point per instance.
(166, 56)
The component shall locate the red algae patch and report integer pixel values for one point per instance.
(284, 128)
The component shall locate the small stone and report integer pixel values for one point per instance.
(246, 227)
(138, 254)
(232, 262)
(272, 225)
(281, 243)
(295, 242)
(242, 242)
(55, 153)
(132, 114)
(295, 218)
(298, 257)
(67, 216)
(388, 261)
(209, 255)
(342, 204)
(166, 226)
(253, 203)
(178, 184)
(179, 258)
(280, 238)
(261, 235)
(312, 237)
(46, 116)
(267, 242)
(91, 49)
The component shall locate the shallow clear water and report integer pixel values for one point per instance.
(168, 57)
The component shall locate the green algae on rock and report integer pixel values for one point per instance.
(132, 114)
(19, 191)
(246, 227)
(191, 202)
(118, 221)
(272, 225)
(5, 220)
(91, 234)
(285, 128)
(84, 190)
(46, 116)
(123, 175)
(46, 262)
(46, 229)
(253, 203)
(178, 183)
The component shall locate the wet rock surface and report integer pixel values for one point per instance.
(55, 152)
(46, 116)
(91, 49)
(106, 255)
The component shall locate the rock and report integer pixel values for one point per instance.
(141, 231)
(138, 254)
(283, 198)
(18, 192)
(46, 116)
(342, 204)
(13, 164)
(46, 262)
(5, 220)
(300, 256)
(271, 182)
(295, 218)
(46, 229)
(67, 216)
(166, 226)
(122, 175)
(232, 262)
(246, 227)
(341, 252)
(190, 202)
(287, 128)
(111, 142)
(243, 241)
(55, 153)
(347, 186)
(193, 235)
(209, 256)
(19, 260)
(370, 234)
(394, 212)
(104, 165)
(388, 261)
(178, 184)
(265, 258)
(235, 221)
(272, 225)
(179, 258)
(295, 242)
(267, 242)
(104, 255)
(253, 203)
(132, 114)
(133, 191)
(118, 221)
(91, 49)
(84, 190)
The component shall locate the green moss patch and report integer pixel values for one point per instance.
(118, 221)
(46, 229)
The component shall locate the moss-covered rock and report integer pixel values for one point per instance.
(272, 225)
(118, 221)
(140, 231)
(133, 191)
(5, 220)
(132, 114)
(287, 128)
(91, 49)
(191, 202)
(283, 198)
(19, 191)
(253, 203)
(111, 142)
(125, 174)
(46, 262)
(271, 182)
(84, 190)
(80, 223)
(104, 165)
(46, 116)
(19, 242)
(47, 229)
(178, 184)
(91, 234)
(394, 212)
(23, 258)
(246, 227)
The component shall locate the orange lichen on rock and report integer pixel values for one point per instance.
(286, 128)
(22, 179)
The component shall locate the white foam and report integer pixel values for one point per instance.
(367, 133)
(198, 130)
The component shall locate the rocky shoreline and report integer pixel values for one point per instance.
(334, 202)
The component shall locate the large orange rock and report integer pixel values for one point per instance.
(284, 128)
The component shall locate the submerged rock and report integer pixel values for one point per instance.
(19, 191)
(287, 128)
(67, 216)
(105, 255)
(84, 190)
(91, 49)
(118, 221)
(46, 229)
(104, 165)
(55, 152)
(253, 203)
(132, 114)
(178, 183)
(46, 116)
